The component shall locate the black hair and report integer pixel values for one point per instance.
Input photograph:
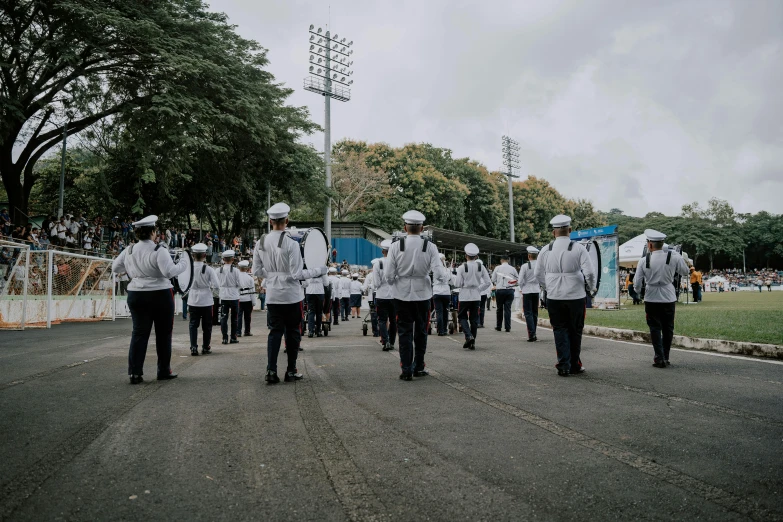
(657, 244)
(145, 232)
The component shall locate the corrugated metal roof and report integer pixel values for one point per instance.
(451, 240)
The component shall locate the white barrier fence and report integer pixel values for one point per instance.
(45, 287)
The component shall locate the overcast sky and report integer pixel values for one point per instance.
(642, 106)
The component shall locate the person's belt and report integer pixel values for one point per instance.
(278, 274)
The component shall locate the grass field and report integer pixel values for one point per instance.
(738, 316)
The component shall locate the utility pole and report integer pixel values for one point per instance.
(330, 77)
(62, 173)
(511, 162)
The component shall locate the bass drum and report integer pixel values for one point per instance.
(183, 281)
(313, 245)
(594, 251)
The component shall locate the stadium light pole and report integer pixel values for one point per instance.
(330, 76)
(511, 162)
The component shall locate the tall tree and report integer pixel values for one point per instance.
(356, 183)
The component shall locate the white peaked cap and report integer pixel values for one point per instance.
(228, 253)
(442, 255)
(354, 275)
(654, 235)
(344, 272)
(532, 250)
(561, 220)
(278, 211)
(244, 264)
(332, 270)
(471, 249)
(386, 244)
(199, 248)
(148, 221)
(413, 217)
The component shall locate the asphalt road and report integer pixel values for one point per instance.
(491, 435)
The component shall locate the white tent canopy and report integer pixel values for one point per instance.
(631, 251)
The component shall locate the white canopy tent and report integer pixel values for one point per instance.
(631, 251)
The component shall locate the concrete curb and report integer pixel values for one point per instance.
(682, 341)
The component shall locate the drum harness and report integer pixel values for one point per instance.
(570, 247)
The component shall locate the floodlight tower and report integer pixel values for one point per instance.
(511, 162)
(330, 76)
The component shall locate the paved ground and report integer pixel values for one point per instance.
(491, 435)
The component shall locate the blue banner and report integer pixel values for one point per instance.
(594, 232)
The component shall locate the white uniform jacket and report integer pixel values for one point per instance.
(659, 278)
(204, 280)
(382, 289)
(408, 271)
(247, 292)
(503, 275)
(355, 287)
(230, 283)
(472, 279)
(335, 281)
(345, 287)
(317, 285)
(149, 267)
(563, 272)
(527, 278)
(441, 279)
(279, 261)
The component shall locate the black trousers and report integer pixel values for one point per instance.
(482, 309)
(244, 315)
(567, 317)
(413, 318)
(468, 318)
(315, 310)
(504, 300)
(148, 309)
(345, 307)
(530, 308)
(200, 315)
(387, 320)
(336, 311)
(633, 294)
(442, 303)
(232, 307)
(660, 319)
(283, 319)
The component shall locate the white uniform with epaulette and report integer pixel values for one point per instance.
(334, 280)
(472, 279)
(504, 277)
(314, 293)
(247, 299)
(410, 261)
(564, 270)
(384, 299)
(278, 259)
(528, 285)
(230, 283)
(200, 301)
(441, 295)
(655, 272)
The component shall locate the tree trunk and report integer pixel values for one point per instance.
(17, 202)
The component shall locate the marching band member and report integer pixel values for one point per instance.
(315, 304)
(200, 300)
(229, 296)
(657, 270)
(247, 298)
(504, 277)
(472, 279)
(345, 294)
(410, 261)
(355, 295)
(384, 300)
(334, 280)
(564, 270)
(150, 298)
(278, 258)
(528, 284)
(441, 291)
(369, 287)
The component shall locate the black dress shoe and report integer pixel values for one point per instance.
(319, 334)
(233, 341)
(508, 330)
(532, 339)
(420, 373)
(136, 379)
(206, 350)
(310, 335)
(301, 349)
(293, 376)
(194, 351)
(480, 326)
(404, 376)
(239, 334)
(472, 344)
(248, 334)
(225, 340)
(467, 342)
(167, 376)
(498, 329)
(385, 347)
(577, 371)
(271, 377)
(562, 373)
(659, 364)
(668, 363)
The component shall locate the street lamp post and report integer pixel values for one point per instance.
(511, 162)
(330, 76)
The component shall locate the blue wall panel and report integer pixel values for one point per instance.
(356, 250)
